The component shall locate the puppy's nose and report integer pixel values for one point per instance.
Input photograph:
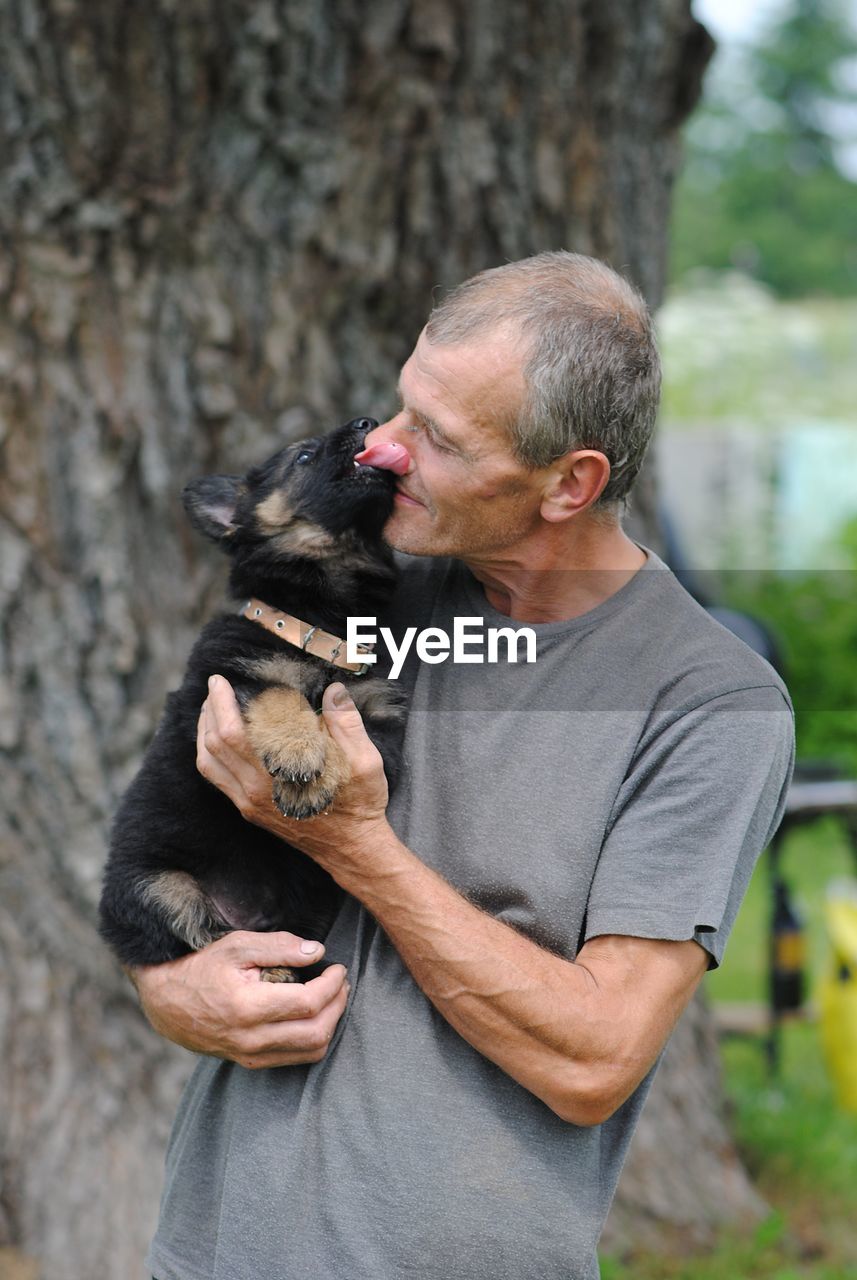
(364, 424)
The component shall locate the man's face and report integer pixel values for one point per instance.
(464, 494)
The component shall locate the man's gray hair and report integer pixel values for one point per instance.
(591, 365)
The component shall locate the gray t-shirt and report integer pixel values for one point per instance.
(623, 783)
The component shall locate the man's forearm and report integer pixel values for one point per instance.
(544, 1020)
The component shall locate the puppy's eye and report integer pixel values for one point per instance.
(304, 456)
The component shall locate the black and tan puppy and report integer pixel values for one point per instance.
(303, 531)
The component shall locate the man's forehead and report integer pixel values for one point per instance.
(467, 393)
(492, 357)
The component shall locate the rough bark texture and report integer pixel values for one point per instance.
(222, 222)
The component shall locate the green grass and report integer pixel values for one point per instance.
(770, 1253)
(800, 1148)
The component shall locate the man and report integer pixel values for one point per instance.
(559, 867)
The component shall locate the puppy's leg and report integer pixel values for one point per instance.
(296, 749)
(279, 974)
(192, 916)
(183, 907)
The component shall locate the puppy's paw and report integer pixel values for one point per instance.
(301, 799)
(305, 800)
(297, 762)
(287, 736)
(278, 974)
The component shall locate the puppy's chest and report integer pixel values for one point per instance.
(252, 659)
(285, 668)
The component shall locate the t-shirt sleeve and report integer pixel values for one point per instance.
(703, 797)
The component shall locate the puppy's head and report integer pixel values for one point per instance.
(299, 502)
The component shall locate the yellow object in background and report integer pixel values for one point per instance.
(838, 994)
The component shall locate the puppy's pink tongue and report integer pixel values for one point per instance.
(387, 457)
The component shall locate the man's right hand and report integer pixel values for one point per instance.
(214, 1001)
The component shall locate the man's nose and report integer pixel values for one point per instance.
(381, 434)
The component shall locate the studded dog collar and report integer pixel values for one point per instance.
(312, 640)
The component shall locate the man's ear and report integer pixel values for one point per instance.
(211, 502)
(575, 483)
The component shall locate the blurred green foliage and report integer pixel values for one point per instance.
(813, 616)
(801, 1152)
(734, 353)
(763, 189)
(810, 858)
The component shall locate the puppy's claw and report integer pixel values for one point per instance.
(291, 777)
(300, 801)
(297, 774)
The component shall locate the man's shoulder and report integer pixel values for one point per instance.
(704, 655)
(653, 633)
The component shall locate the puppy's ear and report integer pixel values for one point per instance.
(211, 502)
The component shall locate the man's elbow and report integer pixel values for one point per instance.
(584, 1112)
(592, 1099)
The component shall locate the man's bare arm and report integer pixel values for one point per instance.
(579, 1035)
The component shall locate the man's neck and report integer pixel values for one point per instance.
(560, 580)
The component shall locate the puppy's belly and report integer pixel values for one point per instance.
(255, 906)
(247, 916)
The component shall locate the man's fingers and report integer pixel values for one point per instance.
(272, 1002)
(303, 1002)
(214, 755)
(221, 736)
(224, 755)
(225, 714)
(214, 1001)
(288, 1042)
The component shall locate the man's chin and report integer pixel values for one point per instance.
(408, 546)
(401, 535)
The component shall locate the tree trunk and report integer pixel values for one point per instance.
(222, 222)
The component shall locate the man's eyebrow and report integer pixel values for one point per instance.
(424, 418)
(433, 427)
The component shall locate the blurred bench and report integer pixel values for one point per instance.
(809, 799)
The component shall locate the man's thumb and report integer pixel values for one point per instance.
(340, 712)
(261, 950)
(346, 728)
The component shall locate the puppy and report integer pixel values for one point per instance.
(303, 531)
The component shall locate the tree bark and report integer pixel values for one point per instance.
(222, 222)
